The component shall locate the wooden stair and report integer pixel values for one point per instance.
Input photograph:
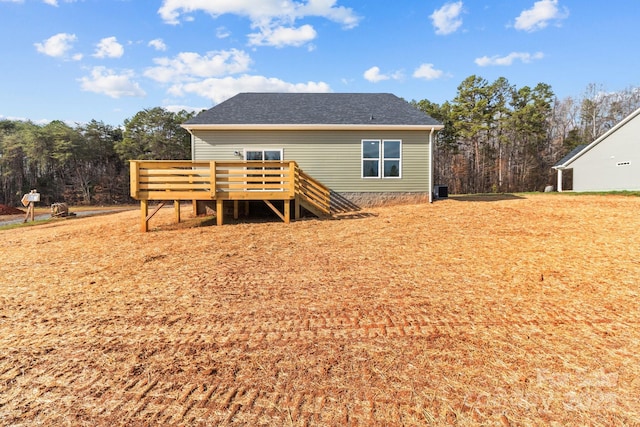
(312, 195)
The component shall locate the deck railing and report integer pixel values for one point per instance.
(176, 180)
(185, 180)
(313, 195)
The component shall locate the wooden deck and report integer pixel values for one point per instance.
(171, 180)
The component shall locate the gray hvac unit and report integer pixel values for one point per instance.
(440, 191)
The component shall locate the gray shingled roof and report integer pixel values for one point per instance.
(313, 109)
(570, 155)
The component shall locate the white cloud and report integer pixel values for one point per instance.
(58, 46)
(212, 76)
(328, 9)
(281, 36)
(222, 33)
(539, 15)
(273, 19)
(49, 2)
(107, 82)
(158, 44)
(53, 2)
(188, 66)
(446, 20)
(374, 76)
(220, 89)
(177, 108)
(25, 119)
(508, 60)
(427, 72)
(109, 48)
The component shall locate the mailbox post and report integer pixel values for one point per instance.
(29, 201)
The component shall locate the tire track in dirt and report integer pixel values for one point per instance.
(258, 331)
(254, 406)
(154, 399)
(225, 403)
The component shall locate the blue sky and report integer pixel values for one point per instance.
(77, 60)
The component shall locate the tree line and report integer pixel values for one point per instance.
(496, 138)
(88, 163)
(500, 138)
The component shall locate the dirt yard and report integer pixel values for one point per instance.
(496, 311)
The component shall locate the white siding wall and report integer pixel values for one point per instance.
(332, 157)
(599, 169)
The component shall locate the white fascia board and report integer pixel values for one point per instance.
(196, 127)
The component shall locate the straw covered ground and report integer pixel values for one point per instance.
(495, 311)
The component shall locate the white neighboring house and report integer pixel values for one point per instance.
(610, 163)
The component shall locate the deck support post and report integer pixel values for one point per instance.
(219, 211)
(236, 209)
(296, 208)
(144, 210)
(176, 208)
(287, 211)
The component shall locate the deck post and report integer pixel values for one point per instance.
(293, 184)
(293, 169)
(176, 208)
(212, 178)
(134, 178)
(144, 211)
(287, 211)
(219, 211)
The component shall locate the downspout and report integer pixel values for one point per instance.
(431, 165)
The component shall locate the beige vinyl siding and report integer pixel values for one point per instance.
(332, 157)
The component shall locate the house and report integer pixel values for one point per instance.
(367, 148)
(610, 163)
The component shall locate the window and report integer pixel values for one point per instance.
(381, 159)
(391, 159)
(263, 154)
(370, 159)
(262, 172)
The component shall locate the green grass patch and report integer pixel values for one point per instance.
(597, 193)
(24, 224)
(503, 196)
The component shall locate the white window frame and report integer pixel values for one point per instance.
(380, 159)
(398, 159)
(244, 156)
(281, 150)
(362, 158)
